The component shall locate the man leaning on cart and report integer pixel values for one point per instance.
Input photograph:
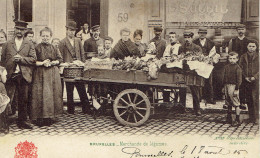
(190, 47)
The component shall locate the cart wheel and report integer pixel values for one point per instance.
(132, 107)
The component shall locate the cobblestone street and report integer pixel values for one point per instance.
(165, 122)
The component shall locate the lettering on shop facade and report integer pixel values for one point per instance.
(203, 10)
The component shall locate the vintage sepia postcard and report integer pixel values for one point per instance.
(129, 79)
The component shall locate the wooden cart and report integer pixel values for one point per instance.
(133, 95)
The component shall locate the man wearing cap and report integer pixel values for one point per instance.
(71, 49)
(239, 45)
(190, 47)
(18, 57)
(208, 49)
(159, 42)
(91, 44)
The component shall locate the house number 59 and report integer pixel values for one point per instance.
(122, 17)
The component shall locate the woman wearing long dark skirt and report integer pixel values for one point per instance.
(47, 103)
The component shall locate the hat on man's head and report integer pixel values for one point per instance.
(72, 25)
(203, 30)
(21, 24)
(188, 32)
(241, 26)
(95, 27)
(158, 29)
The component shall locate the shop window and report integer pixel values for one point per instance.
(23, 10)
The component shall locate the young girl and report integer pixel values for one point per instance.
(4, 128)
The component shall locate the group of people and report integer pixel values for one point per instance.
(30, 74)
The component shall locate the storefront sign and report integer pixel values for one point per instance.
(203, 10)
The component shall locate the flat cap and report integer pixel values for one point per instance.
(203, 30)
(240, 26)
(158, 29)
(188, 32)
(95, 27)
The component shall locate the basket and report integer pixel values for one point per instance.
(73, 72)
(4, 100)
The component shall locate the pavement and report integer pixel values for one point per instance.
(166, 121)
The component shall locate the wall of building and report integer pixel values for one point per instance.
(128, 13)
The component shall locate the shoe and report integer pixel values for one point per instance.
(24, 124)
(242, 107)
(229, 119)
(236, 123)
(225, 106)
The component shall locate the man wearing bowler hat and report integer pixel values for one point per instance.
(208, 49)
(71, 49)
(18, 57)
(239, 45)
(91, 44)
(189, 47)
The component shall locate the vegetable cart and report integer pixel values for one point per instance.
(134, 97)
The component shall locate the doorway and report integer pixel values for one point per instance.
(82, 11)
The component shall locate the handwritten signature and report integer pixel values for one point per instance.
(186, 150)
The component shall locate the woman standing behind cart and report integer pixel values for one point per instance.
(46, 89)
(138, 35)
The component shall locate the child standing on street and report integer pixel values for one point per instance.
(232, 80)
(249, 62)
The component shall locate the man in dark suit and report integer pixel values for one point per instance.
(190, 47)
(91, 44)
(18, 56)
(208, 49)
(71, 49)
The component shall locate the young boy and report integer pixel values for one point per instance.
(232, 80)
(249, 62)
(108, 46)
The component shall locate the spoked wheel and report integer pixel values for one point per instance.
(132, 107)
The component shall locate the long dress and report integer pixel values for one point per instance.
(46, 87)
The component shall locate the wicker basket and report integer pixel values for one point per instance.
(73, 72)
(4, 100)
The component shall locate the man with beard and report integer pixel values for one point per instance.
(239, 45)
(208, 49)
(71, 49)
(159, 42)
(91, 44)
(190, 47)
(18, 56)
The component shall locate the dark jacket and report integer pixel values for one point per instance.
(189, 48)
(27, 51)
(232, 75)
(239, 46)
(91, 45)
(244, 61)
(207, 47)
(160, 46)
(124, 49)
(69, 53)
